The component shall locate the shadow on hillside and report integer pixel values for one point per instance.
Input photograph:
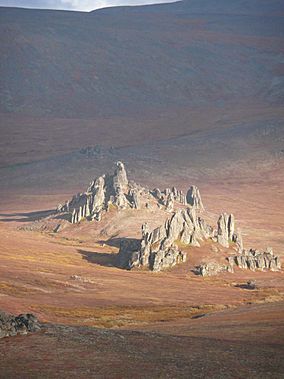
(116, 241)
(107, 259)
(101, 259)
(25, 217)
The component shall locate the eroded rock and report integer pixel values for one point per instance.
(158, 249)
(12, 325)
(210, 269)
(193, 198)
(258, 260)
(226, 229)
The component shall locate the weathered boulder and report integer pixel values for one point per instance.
(120, 199)
(210, 269)
(193, 198)
(13, 325)
(247, 259)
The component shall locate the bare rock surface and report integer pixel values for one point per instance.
(158, 249)
(226, 228)
(101, 193)
(211, 269)
(246, 259)
(13, 325)
(258, 260)
(193, 198)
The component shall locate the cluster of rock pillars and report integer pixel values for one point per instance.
(159, 249)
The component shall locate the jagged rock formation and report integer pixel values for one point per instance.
(102, 192)
(158, 250)
(118, 191)
(258, 260)
(172, 194)
(13, 325)
(247, 259)
(193, 198)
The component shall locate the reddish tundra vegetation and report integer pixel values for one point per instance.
(184, 94)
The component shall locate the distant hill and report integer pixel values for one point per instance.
(128, 59)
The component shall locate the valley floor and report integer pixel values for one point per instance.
(80, 352)
(104, 322)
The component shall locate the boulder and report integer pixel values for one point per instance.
(210, 269)
(12, 325)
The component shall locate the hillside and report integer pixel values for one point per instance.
(125, 60)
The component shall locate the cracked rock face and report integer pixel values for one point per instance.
(258, 260)
(103, 191)
(135, 198)
(13, 325)
(167, 258)
(120, 177)
(157, 249)
(169, 195)
(193, 198)
(226, 228)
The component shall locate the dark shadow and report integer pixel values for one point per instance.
(246, 286)
(25, 217)
(196, 271)
(62, 216)
(116, 241)
(101, 259)
(198, 316)
(110, 259)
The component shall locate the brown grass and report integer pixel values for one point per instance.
(15, 290)
(121, 316)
